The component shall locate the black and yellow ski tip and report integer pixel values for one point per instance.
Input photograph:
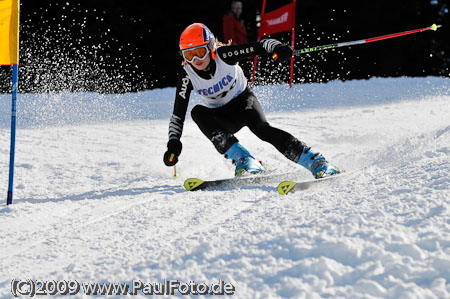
(285, 187)
(192, 184)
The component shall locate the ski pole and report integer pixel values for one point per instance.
(175, 175)
(433, 27)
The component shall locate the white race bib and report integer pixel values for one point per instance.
(228, 82)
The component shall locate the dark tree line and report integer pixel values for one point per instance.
(119, 46)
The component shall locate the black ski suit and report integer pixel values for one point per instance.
(220, 124)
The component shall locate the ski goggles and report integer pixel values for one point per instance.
(200, 53)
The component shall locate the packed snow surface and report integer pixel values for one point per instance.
(93, 201)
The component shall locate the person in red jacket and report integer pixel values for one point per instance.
(233, 25)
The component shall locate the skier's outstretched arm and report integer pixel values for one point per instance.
(234, 53)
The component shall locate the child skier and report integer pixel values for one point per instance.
(229, 104)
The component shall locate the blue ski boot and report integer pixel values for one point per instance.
(243, 160)
(317, 164)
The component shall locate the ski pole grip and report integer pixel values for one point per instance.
(275, 56)
(171, 157)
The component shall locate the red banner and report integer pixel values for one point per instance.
(279, 20)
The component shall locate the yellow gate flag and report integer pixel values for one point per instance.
(9, 32)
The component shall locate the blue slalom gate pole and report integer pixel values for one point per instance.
(15, 86)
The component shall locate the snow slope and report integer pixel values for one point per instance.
(93, 201)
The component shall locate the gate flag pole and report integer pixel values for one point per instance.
(9, 55)
(15, 82)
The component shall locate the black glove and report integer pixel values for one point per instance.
(174, 147)
(282, 53)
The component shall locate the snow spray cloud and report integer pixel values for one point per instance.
(308, 68)
(71, 72)
(72, 49)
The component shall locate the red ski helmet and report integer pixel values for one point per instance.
(195, 36)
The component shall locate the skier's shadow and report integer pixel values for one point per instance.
(103, 194)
